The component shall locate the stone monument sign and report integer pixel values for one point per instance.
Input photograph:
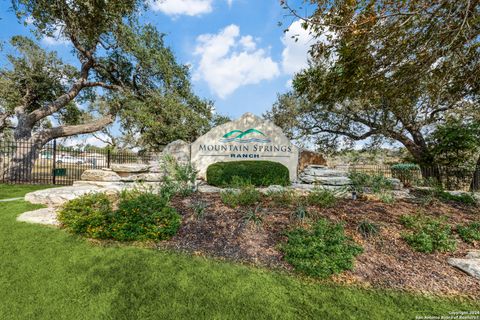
(248, 138)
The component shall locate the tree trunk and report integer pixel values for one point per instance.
(28, 145)
(23, 160)
(475, 184)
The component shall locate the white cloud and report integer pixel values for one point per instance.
(295, 53)
(229, 2)
(83, 140)
(228, 61)
(182, 7)
(56, 38)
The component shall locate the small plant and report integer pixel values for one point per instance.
(320, 251)
(283, 198)
(246, 196)
(179, 178)
(301, 212)
(428, 234)
(470, 232)
(322, 197)
(386, 197)
(464, 198)
(376, 183)
(368, 229)
(254, 215)
(229, 198)
(199, 208)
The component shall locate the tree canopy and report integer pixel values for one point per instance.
(124, 70)
(385, 70)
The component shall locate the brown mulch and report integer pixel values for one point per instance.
(387, 261)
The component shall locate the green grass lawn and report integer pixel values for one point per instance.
(46, 273)
(17, 190)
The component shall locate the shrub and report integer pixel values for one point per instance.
(368, 229)
(464, 198)
(87, 215)
(144, 216)
(322, 197)
(283, 198)
(179, 178)
(321, 251)
(386, 197)
(259, 173)
(405, 172)
(140, 216)
(246, 196)
(470, 232)
(375, 183)
(428, 234)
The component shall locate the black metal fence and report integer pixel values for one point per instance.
(56, 164)
(450, 178)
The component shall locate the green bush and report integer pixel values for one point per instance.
(246, 196)
(375, 183)
(282, 198)
(179, 178)
(144, 216)
(470, 232)
(405, 172)
(464, 198)
(140, 216)
(322, 251)
(322, 197)
(257, 172)
(428, 234)
(87, 215)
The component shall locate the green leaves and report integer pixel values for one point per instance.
(321, 251)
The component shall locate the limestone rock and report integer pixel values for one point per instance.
(307, 157)
(46, 216)
(208, 189)
(99, 175)
(326, 180)
(148, 177)
(396, 183)
(58, 196)
(179, 149)
(323, 171)
(470, 264)
(272, 189)
(130, 167)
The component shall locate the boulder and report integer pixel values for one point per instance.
(272, 189)
(148, 177)
(179, 149)
(470, 264)
(46, 216)
(99, 175)
(323, 171)
(129, 167)
(205, 188)
(58, 196)
(307, 158)
(326, 180)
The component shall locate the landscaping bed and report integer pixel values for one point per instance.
(387, 260)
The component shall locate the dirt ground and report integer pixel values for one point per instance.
(387, 261)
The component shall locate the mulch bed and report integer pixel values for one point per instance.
(387, 261)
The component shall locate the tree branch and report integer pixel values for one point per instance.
(66, 131)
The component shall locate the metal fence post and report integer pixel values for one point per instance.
(54, 159)
(108, 158)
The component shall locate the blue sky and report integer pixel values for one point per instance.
(239, 57)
